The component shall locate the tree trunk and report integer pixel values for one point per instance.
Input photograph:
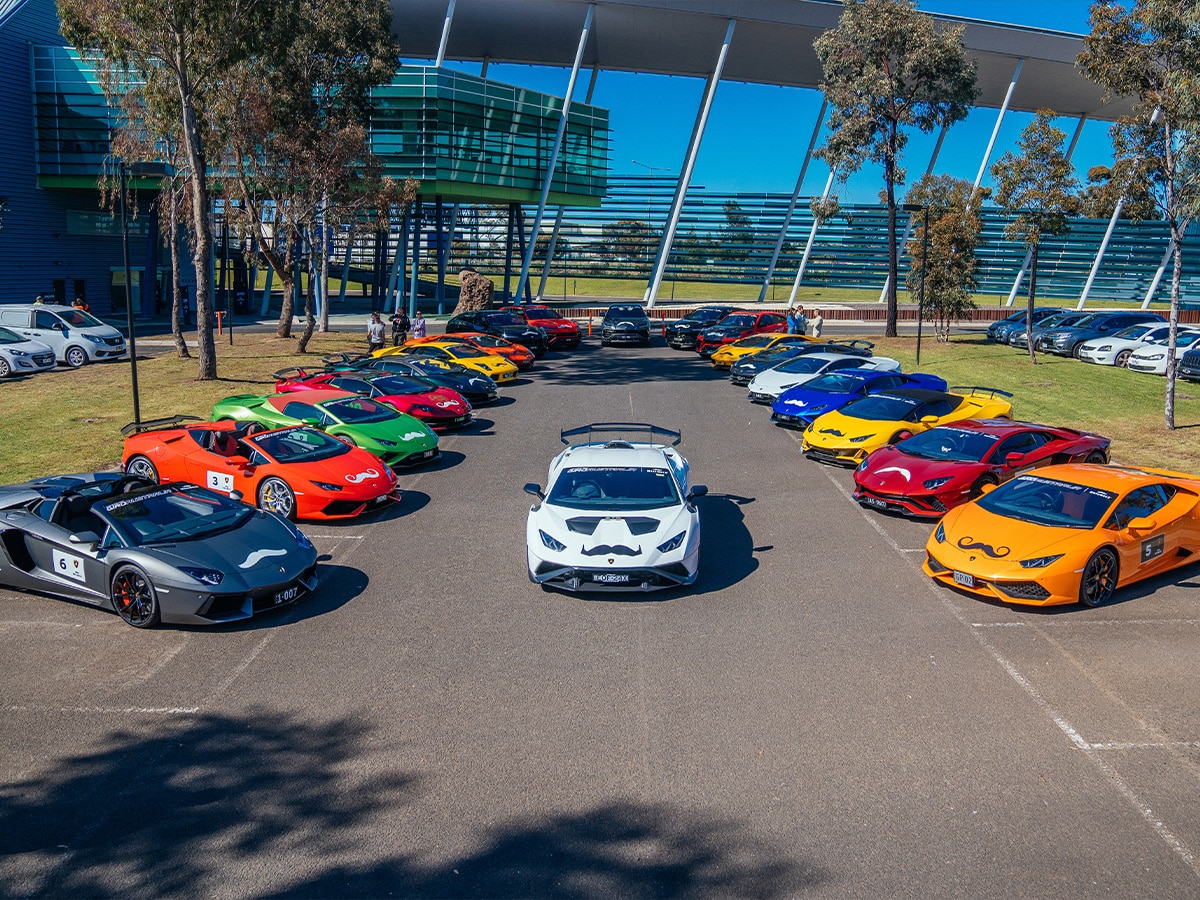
(310, 313)
(288, 307)
(889, 178)
(176, 288)
(1033, 255)
(1173, 332)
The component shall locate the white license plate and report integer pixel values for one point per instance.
(964, 579)
(287, 594)
(611, 578)
(427, 454)
(874, 502)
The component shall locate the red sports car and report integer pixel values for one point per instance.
(561, 334)
(928, 473)
(297, 472)
(438, 407)
(736, 326)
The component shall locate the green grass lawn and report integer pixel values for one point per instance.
(70, 421)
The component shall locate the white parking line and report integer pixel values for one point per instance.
(1085, 623)
(109, 710)
(1146, 745)
(243, 665)
(335, 537)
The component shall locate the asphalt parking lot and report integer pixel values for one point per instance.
(813, 717)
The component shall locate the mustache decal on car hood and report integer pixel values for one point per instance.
(258, 555)
(605, 550)
(360, 477)
(994, 552)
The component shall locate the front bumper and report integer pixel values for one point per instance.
(927, 506)
(633, 580)
(185, 606)
(834, 456)
(1051, 589)
(787, 420)
(624, 337)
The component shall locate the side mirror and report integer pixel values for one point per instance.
(987, 488)
(1013, 460)
(311, 422)
(236, 495)
(928, 420)
(235, 461)
(535, 489)
(85, 537)
(1141, 523)
(698, 490)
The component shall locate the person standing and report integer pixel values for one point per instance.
(418, 325)
(374, 333)
(797, 320)
(80, 303)
(400, 325)
(818, 322)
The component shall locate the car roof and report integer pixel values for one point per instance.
(1114, 478)
(923, 395)
(317, 395)
(616, 453)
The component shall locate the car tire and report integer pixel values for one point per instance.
(1099, 580)
(899, 436)
(1122, 359)
(1096, 458)
(141, 467)
(978, 486)
(134, 597)
(1075, 350)
(5, 369)
(274, 495)
(255, 428)
(75, 357)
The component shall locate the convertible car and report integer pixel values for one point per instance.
(438, 407)
(617, 513)
(845, 437)
(768, 385)
(476, 388)
(929, 473)
(798, 407)
(495, 367)
(396, 438)
(517, 354)
(748, 365)
(296, 472)
(176, 553)
(1068, 534)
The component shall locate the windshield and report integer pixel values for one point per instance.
(399, 384)
(170, 514)
(835, 383)
(1044, 501)
(1085, 322)
(466, 351)
(958, 444)
(625, 312)
(79, 318)
(802, 365)
(489, 340)
(358, 411)
(737, 322)
(617, 487)
(1133, 331)
(536, 314)
(298, 445)
(10, 337)
(502, 319)
(881, 408)
(704, 315)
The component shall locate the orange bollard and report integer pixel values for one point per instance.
(589, 326)
(664, 334)
(220, 316)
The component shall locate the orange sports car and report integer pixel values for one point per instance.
(1069, 533)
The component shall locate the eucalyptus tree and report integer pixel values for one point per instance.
(1150, 50)
(888, 68)
(1038, 188)
(299, 151)
(176, 55)
(944, 264)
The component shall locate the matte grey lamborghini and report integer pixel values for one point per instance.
(176, 553)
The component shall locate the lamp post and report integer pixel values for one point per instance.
(137, 408)
(924, 208)
(650, 200)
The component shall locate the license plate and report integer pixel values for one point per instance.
(964, 579)
(874, 502)
(427, 454)
(611, 578)
(287, 595)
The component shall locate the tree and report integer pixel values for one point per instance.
(737, 235)
(1037, 188)
(1125, 182)
(628, 240)
(950, 272)
(1151, 51)
(175, 54)
(887, 67)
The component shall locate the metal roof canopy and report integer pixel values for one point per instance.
(773, 44)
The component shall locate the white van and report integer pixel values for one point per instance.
(75, 336)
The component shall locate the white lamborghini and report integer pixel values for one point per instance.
(617, 514)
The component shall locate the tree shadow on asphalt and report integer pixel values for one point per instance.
(616, 365)
(172, 806)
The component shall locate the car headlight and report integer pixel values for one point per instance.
(19, 354)
(551, 543)
(326, 486)
(1100, 349)
(673, 543)
(1040, 562)
(862, 465)
(935, 483)
(421, 407)
(204, 576)
(861, 438)
(302, 540)
(386, 443)
(1152, 356)
(939, 533)
(94, 339)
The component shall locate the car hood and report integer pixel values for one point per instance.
(989, 542)
(27, 347)
(799, 401)
(593, 537)
(625, 322)
(406, 431)
(358, 468)
(892, 472)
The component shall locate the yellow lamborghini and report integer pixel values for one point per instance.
(845, 436)
(496, 367)
(748, 346)
(1066, 534)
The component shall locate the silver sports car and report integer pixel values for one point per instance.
(175, 553)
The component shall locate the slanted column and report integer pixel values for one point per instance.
(812, 234)
(685, 176)
(553, 162)
(787, 218)
(1158, 276)
(987, 154)
(441, 54)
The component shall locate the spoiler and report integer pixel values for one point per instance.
(978, 391)
(157, 424)
(650, 431)
(290, 373)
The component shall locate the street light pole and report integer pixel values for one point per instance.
(137, 408)
(913, 207)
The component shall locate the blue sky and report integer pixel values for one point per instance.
(757, 134)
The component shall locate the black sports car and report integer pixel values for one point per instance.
(476, 387)
(170, 553)
(625, 323)
(501, 324)
(743, 371)
(682, 334)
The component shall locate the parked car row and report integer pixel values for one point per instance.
(35, 337)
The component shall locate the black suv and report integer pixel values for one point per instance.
(1189, 365)
(625, 323)
(501, 324)
(1066, 340)
(681, 334)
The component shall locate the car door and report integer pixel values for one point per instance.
(1146, 551)
(1029, 444)
(65, 568)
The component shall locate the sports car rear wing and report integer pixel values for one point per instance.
(977, 391)
(157, 424)
(291, 373)
(857, 344)
(600, 428)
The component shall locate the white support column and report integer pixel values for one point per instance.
(812, 233)
(553, 162)
(685, 176)
(346, 265)
(441, 56)
(787, 217)
(1158, 276)
(908, 226)
(394, 298)
(987, 154)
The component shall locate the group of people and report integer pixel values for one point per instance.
(798, 321)
(43, 300)
(401, 326)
